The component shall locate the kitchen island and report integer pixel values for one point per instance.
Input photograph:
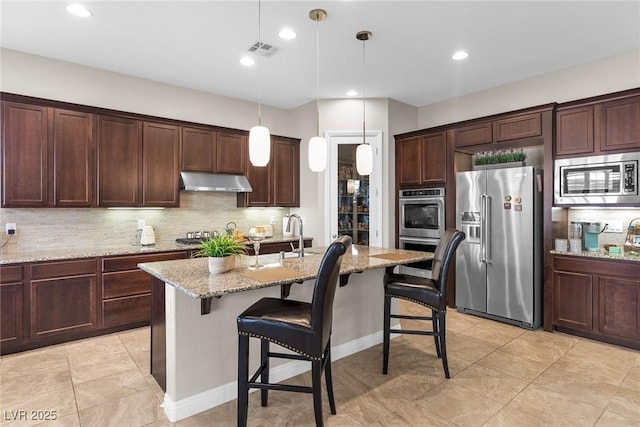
(194, 336)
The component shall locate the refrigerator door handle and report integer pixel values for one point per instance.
(483, 228)
(487, 228)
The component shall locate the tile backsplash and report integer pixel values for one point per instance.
(60, 228)
(603, 215)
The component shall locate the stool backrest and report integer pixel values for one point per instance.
(447, 246)
(325, 288)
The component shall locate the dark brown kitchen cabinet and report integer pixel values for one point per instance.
(126, 290)
(474, 134)
(597, 299)
(48, 157)
(205, 150)
(278, 183)
(11, 305)
(25, 155)
(63, 297)
(574, 131)
(597, 126)
(421, 160)
(517, 127)
(160, 165)
(119, 161)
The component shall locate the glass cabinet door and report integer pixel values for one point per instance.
(353, 197)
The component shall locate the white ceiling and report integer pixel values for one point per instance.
(198, 44)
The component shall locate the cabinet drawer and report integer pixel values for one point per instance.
(131, 262)
(125, 283)
(11, 273)
(44, 270)
(120, 311)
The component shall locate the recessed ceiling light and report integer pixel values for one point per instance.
(460, 55)
(287, 34)
(78, 10)
(352, 93)
(247, 61)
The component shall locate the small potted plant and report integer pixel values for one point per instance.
(222, 251)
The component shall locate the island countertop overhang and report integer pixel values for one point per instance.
(191, 276)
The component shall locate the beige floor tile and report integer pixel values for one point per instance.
(412, 415)
(60, 401)
(611, 419)
(99, 347)
(459, 405)
(100, 365)
(514, 365)
(632, 380)
(136, 339)
(490, 383)
(71, 420)
(33, 363)
(511, 417)
(468, 347)
(554, 408)
(15, 389)
(578, 387)
(495, 333)
(373, 405)
(112, 387)
(626, 403)
(142, 360)
(540, 346)
(155, 387)
(136, 410)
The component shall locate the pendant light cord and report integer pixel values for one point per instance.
(318, 77)
(364, 85)
(259, 64)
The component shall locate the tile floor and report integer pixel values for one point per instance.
(501, 376)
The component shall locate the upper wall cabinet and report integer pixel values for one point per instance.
(278, 183)
(600, 126)
(506, 129)
(138, 163)
(205, 150)
(421, 160)
(48, 156)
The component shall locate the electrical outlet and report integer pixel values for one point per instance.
(11, 228)
(613, 227)
(141, 223)
(272, 220)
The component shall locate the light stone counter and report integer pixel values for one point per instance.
(625, 256)
(192, 277)
(198, 359)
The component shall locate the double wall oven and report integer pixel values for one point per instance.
(421, 224)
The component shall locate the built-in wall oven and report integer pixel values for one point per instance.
(421, 224)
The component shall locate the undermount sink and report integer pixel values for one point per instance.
(287, 255)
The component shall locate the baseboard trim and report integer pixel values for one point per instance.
(184, 408)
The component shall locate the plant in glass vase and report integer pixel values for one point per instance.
(222, 251)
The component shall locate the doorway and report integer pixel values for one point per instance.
(354, 206)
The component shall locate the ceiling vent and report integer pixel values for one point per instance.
(263, 49)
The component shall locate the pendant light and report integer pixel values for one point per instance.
(259, 137)
(317, 144)
(364, 153)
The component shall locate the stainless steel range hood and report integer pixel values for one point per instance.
(198, 181)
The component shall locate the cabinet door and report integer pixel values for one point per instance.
(479, 133)
(574, 131)
(63, 297)
(74, 159)
(11, 314)
(24, 155)
(573, 300)
(198, 150)
(231, 153)
(160, 165)
(620, 124)
(434, 158)
(261, 180)
(408, 161)
(525, 126)
(119, 161)
(286, 167)
(619, 306)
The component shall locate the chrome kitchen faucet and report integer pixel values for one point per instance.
(301, 238)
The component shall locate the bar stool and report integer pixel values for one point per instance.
(431, 293)
(302, 327)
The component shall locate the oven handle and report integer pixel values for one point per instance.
(425, 240)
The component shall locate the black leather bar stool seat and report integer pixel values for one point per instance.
(304, 328)
(431, 293)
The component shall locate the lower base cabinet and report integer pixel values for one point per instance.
(11, 306)
(597, 299)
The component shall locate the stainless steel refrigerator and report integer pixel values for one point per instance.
(499, 264)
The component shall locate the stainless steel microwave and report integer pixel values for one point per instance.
(597, 180)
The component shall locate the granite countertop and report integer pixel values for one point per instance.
(13, 256)
(602, 254)
(191, 276)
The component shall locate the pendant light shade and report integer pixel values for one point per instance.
(364, 153)
(317, 144)
(259, 146)
(317, 153)
(259, 137)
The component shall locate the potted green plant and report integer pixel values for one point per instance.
(222, 251)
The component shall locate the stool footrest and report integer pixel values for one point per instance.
(288, 356)
(281, 387)
(410, 332)
(404, 316)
